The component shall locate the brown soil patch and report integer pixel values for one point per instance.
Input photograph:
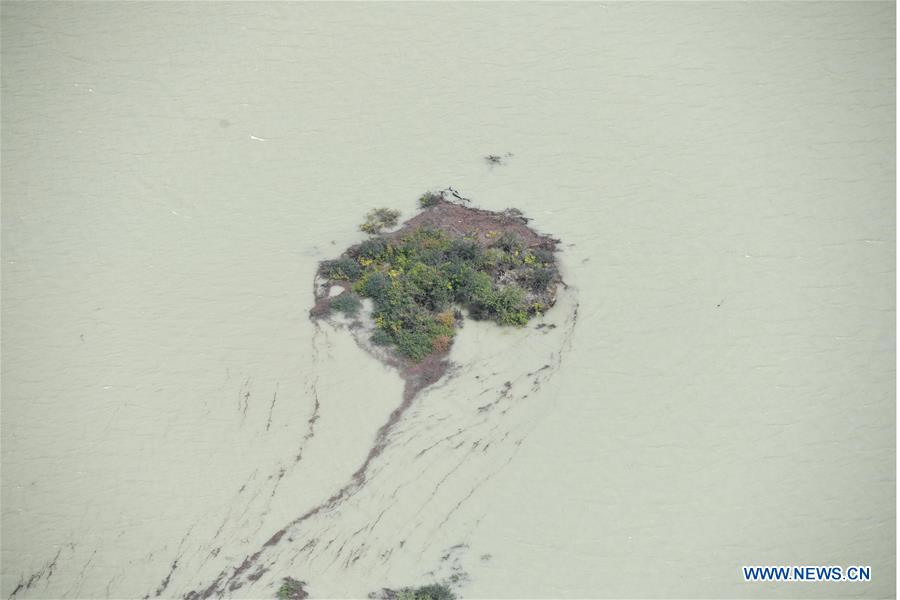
(483, 225)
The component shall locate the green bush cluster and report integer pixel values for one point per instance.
(435, 591)
(291, 589)
(347, 303)
(380, 219)
(341, 269)
(429, 199)
(416, 281)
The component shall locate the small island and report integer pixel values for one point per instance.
(447, 262)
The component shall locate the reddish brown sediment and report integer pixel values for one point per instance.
(482, 225)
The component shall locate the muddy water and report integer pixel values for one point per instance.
(717, 388)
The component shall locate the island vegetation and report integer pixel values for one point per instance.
(434, 591)
(380, 219)
(447, 262)
(292, 589)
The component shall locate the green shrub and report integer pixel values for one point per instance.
(380, 219)
(543, 255)
(381, 337)
(465, 249)
(347, 303)
(539, 278)
(429, 286)
(291, 589)
(511, 260)
(510, 243)
(493, 259)
(435, 591)
(341, 269)
(516, 318)
(375, 285)
(414, 343)
(372, 248)
(429, 199)
(509, 306)
(426, 238)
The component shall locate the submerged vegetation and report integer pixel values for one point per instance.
(291, 589)
(434, 591)
(422, 277)
(347, 303)
(429, 199)
(380, 219)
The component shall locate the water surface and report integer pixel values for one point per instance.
(720, 388)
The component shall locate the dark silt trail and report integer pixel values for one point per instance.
(229, 582)
(254, 565)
